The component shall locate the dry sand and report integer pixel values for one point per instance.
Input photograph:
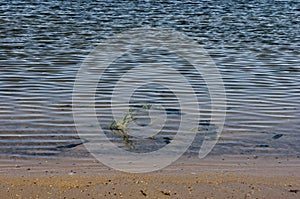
(212, 177)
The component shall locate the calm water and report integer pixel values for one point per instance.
(255, 45)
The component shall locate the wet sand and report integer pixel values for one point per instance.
(212, 177)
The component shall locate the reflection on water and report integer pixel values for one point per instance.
(255, 45)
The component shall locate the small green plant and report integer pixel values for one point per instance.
(122, 124)
(147, 106)
(120, 127)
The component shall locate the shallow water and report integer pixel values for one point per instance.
(255, 45)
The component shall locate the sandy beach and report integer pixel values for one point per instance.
(212, 177)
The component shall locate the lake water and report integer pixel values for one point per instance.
(254, 44)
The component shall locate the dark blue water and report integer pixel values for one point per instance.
(255, 45)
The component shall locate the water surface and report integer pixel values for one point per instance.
(255, 45)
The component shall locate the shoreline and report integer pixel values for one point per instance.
(211, 177)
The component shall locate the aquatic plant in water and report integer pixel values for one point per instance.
(120, 127)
